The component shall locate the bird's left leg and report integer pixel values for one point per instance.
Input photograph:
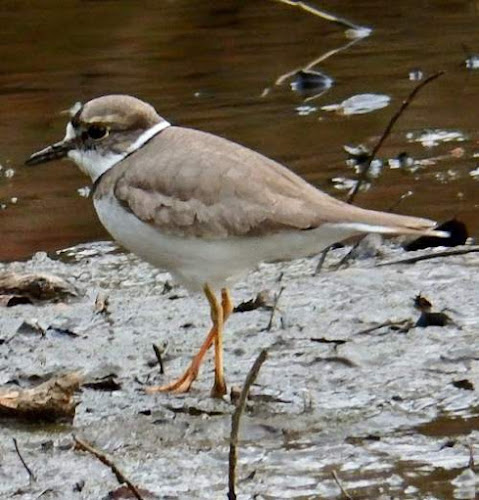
(219, 387)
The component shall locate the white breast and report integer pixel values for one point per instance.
(194, 261)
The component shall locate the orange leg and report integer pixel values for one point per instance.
(219, 314)
(219, 387)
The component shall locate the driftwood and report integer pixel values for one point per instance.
(50, 401)
(34, 287)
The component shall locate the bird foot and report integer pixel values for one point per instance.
(219, 389)
(178, 386)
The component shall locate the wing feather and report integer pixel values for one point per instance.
(196, 184)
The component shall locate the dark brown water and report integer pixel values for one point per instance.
(207, 65)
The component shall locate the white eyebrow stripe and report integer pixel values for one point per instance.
(70, 132)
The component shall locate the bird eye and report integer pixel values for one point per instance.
(97, 131)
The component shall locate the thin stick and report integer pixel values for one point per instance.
(121, 478)
(346, 257)
(235, 423)
(404, 323)
(435, 255)
(273, 309)
(396, 204)
(322, 258)
(341, 487)
(321, 13)
(281, 79)
(159, 358)
(387, 131)
(30, 473)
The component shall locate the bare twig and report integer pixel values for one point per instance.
(405, 195)
(435, 255)
(121, 478)
(322, 258)
(30, 473)
(159, 358)
(273, 309)
(282, 78)
(346, 257)
(235, 423)
(341, 487)
(320, 13)
(387, 131)
(404, 325)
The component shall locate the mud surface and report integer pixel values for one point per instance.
(393, 412)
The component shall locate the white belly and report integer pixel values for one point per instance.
(194, 261)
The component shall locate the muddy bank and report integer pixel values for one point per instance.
(391, 410)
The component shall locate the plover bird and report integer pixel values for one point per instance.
(202, 207)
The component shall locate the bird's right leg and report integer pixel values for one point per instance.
(183, 383)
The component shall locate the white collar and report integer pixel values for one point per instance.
(147, 135)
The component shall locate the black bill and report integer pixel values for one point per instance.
(54, 152)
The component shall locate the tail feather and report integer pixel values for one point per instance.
(363, 227)
(371, 221)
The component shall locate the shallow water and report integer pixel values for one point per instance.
(214, 66)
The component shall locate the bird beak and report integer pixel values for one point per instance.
(54, 152)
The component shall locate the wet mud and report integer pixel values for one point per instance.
(392, 411)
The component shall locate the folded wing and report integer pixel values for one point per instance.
(190, 183)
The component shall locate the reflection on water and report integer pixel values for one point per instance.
(206, 65)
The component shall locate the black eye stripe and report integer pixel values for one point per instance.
(75, 121)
